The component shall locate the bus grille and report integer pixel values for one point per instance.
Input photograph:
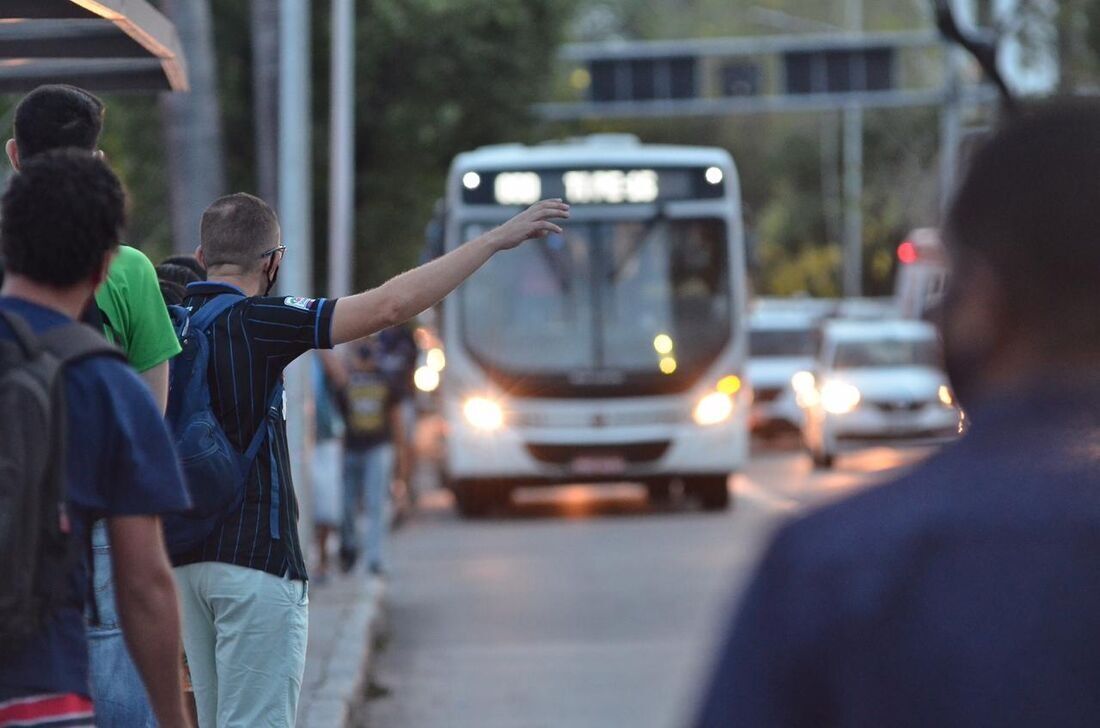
(634, 452)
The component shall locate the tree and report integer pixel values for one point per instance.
(436, 78)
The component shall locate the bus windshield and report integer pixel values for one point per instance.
(613, 302)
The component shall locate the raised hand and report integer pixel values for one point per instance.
(534, 222)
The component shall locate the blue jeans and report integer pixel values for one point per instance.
(368, 470)
(117, 690)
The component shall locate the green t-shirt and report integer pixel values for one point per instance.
(133, 311)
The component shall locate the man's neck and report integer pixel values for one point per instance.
(247, 284)
(68, 301)
(1017, 368)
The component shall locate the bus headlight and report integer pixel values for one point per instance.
(484, 414)
(945, 396)
(712, 409)
(426, 379)
(839, 398)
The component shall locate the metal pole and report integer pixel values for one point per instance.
(853, 179)
(265, 96)
(853, 201)
(196, 171)
(295, 195)
(950, 126)
(341, 252)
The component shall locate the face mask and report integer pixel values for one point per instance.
(271, 281)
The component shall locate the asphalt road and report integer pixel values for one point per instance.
(580, 606)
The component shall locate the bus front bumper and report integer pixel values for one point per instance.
(536, 456)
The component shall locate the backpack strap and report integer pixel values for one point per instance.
(24, 336)
(204, 318)
(76, 341)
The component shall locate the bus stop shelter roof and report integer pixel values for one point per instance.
(100, 45)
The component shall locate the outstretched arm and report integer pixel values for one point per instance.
(399, 299)
(149, 611)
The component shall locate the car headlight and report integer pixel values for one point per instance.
(946, 397)
(804, 385)
(483, 414)
(839, 398)
(712, 409)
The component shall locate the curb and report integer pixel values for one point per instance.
(343, 617)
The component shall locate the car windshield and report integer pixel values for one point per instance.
(782, 343)
(611, 296)
(887, 353)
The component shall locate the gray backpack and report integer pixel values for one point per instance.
(37, 552)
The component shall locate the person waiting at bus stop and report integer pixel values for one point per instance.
(373, 438)
(965, 593)
(243, 590)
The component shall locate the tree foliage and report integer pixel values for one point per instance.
(437, 77)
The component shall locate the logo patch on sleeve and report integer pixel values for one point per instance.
(296, 302)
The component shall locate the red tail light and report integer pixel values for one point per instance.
(907, 252)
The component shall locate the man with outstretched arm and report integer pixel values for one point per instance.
(243, 590)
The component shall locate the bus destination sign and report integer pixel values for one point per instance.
(592, 186)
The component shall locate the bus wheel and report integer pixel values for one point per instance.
(659, 492)
(712, 491)
(476, 499)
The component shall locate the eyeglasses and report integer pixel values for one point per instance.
(273, 251)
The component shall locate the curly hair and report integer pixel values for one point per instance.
(60, 215)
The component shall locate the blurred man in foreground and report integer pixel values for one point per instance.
(967, 592)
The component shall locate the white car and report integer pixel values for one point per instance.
(872, 382)
(781, 343)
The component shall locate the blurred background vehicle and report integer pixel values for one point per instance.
(875, 381)
(922, 274)
(613, 352)
(782, 342)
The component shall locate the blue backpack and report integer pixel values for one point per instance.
(215, 471)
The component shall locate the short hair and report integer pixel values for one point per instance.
(172, 293)
(237, 229)
(60, 215)
(179, 274)
(1029, 205)
(55, 117)
(189, 262)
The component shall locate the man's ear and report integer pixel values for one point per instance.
(977, 307)
(200, 256)
(13, 153)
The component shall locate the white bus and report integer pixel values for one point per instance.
(613, 353)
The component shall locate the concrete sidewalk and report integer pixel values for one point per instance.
(343, 616)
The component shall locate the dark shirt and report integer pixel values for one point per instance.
(252, 343)
(966, 593)
(120, 462)
(397, 354)
(367, 403)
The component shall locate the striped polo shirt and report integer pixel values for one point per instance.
(251, 345)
